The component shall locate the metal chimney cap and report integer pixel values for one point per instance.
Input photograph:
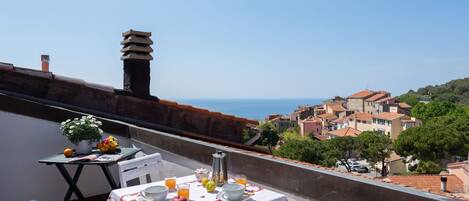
(137, 33)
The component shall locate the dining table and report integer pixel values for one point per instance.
(103, 161)
(196, 192)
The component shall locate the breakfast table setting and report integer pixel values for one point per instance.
(156, 191)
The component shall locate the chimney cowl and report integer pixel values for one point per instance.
(136, 45)
(136, 57)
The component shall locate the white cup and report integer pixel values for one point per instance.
(233, 191)
(155, 193)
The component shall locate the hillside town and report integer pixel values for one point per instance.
(369, 111)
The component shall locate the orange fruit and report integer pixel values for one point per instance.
(68, 152)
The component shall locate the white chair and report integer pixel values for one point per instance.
(140, 168)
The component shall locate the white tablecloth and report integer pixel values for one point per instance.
(196, 192)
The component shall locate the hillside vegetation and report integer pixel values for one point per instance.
(455, 91)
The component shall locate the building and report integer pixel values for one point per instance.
(282, 123)
(395, 164)
(460, 170)
(382, 105)
(392, 123)
(356, 101)
(361, 121)
(311, 125)
(335, 108)
(302, 112)
(343, 132)
(341, 123)
(388, 123)
(370, 102)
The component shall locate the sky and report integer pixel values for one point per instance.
(247, 48)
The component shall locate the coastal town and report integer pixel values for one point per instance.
(369, 111)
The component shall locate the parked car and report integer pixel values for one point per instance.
(362, 169)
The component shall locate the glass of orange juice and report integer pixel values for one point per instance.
(170, 182)
(241, 179)
(183, 190)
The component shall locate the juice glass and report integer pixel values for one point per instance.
(241, 179)
(183, 190)
(170, 182)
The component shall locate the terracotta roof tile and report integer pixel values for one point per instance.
(362, 94)
(430, 182)
(404, 105)
(327, 116)
(388, 115)
(345, 132)
(377, 97)
(336, 107)
(385, 99)
(363, 116)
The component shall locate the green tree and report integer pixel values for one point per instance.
(375, 147)
(428, 167)
(342, 149)
(409, 98)
(302, 149)
(433, 109)
(436, 140)
(269, 135)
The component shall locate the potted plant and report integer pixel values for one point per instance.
(82, 132)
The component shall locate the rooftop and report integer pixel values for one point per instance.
(362, 116)
(388, 115)
(430, 183)
(362, 94)
(377, 97)
(345, 132)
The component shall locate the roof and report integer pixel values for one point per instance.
(404, 105)
(388, 115)
(320, 137)
(313, 119)
(343, 132)
(342, 120)
(362, 94)
(429, 182)
(393, 157)
(327, 116)
(363, 116)
(385, 99)
(336, 106)
(81, 95)
(377, 97)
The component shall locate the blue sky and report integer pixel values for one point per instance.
(247, 48)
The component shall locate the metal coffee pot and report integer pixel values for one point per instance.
(219, 168)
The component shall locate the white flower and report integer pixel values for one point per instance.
(70, 131)
(100, 131)
(71, 127)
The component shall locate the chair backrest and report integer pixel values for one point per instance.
(139, 168)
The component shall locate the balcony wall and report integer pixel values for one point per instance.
(29, 137)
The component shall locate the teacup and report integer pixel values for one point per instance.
(155, 193)
(233, 191)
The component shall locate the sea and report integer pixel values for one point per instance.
(256, 109)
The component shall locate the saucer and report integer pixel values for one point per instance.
(224, 197)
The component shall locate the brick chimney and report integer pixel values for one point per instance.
(45, 63)
(136, 57)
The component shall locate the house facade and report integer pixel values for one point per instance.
(356, 102)
(361, 121)
(369, 105)
(312, 125)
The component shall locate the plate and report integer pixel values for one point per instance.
(143, 199)
(223, 197)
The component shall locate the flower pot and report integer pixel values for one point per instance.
(84, 147)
